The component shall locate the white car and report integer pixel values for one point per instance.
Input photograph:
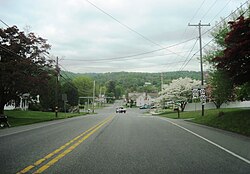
(120, 110)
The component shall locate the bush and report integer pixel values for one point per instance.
(35, 107)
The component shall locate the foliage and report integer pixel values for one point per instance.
(219, 34)
(135, 81)
(111, 90)
(71, 91)
(230, 52)
(236, 58)
(235, 120)
(118, 91)
(47, 95)
(221, 88)
(23, 65)
(84, 85)
(179, 90)
(243, 92)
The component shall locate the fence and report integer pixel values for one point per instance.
(237, 104)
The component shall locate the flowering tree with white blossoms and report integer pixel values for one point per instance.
(179, 91)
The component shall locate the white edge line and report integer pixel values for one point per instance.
(209, 141)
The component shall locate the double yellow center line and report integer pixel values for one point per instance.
(74, 143)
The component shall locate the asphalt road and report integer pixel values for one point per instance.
(112, 143)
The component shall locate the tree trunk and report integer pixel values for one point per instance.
(3, 98)
(183, 105)
(217, 104)
(1, 107)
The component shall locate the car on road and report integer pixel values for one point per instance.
(120, 110)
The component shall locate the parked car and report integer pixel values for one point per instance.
(144, 107)
(120, 110)
(153, 107)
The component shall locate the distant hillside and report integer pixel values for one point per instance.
(133, 80)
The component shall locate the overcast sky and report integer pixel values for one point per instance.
(82, 32)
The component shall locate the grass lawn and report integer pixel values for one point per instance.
(17, 118)
(235, 120)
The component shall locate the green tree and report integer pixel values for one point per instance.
(23, 65)
(84, 85)
(110, 93)
(221, 88)
(47, 96)
(71, 91)
(118, 92)
(243, 92)
(229, 56)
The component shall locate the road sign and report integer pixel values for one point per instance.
(64, 97)
(195, 93)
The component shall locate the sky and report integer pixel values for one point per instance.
(120, 35)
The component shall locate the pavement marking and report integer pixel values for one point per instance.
(146, 116)
(40, 161)
(209, 141)
(48, 124)
(58, 157)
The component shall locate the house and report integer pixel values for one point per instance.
(142, 99)
(25, 100)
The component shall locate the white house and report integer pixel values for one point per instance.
(142, 99)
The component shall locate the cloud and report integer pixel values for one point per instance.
(78, 31)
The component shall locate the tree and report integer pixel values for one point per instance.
(84, 85)
(179, 90)
(236, 58)
(110, 93)
(229, 57)
(218, 35)
(221, 88)
(23, 65)
(118, 91)
(243, 92)
(71, 91)
(47, 95)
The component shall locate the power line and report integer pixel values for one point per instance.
(197, 10)
(129, 58)
(129, 28)
(11, 51)
(124, 25)
(209, 9)
(165, 64)
(116, 58)
(70, 84)
(227, 17)
(196, 53)
(220, 10)
(134, 55)
(44, 53)
(214, 27)
(188, 55)
(66, 71)
(4, 23)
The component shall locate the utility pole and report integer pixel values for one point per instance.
(56, 91)
(202, 81)
(161, 82)
(93, 104)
